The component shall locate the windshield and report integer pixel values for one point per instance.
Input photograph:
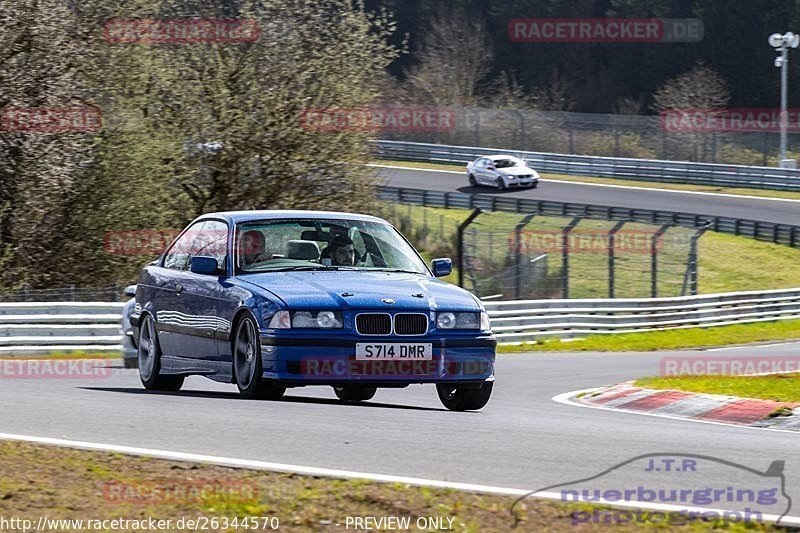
(319, 244)
(507, 163)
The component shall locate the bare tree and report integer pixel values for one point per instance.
(701, 88)
(453, 57)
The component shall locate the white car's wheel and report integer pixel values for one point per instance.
(501, 184)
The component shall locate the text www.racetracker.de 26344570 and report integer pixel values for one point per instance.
(198, 523)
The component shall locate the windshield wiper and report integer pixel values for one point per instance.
(396, 270)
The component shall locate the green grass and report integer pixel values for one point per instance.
(779, 388)
(765, 193)
(669, 340)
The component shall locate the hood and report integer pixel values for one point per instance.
(323, 290)
(517, 171)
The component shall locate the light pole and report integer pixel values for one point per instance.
(782, 43)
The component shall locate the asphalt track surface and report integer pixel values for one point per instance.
(766, 210)
(522, 439)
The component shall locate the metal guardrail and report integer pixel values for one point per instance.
(764, 231)
(40, 327)
(526, 320)
(607, 167)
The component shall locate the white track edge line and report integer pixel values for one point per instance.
(609, 185)
(329, 472)
(565, 399)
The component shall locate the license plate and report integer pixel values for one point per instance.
(391, 351)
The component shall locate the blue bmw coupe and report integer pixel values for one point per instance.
(274, 299)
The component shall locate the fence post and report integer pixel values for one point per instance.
(463, 226)
(612, 256)
(654, 259)
(693, 259)
(518, 254)
(565, 253)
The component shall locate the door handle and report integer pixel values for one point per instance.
(179, 288)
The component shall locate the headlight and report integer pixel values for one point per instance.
(306, 319)
(281, 320)
(449, 320)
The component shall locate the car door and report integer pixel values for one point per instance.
(197, 302)
(168, 280)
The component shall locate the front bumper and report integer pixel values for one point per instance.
(312, 360)
(521, 183)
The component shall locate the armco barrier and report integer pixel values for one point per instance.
(608, 167)
(525, 320)
(40, 327)
(764, 231)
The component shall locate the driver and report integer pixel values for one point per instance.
(342, 251)
(253, 247)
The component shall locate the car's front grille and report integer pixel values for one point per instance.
(410, 324)
(374, 324)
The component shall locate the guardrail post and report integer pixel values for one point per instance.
(654, 259)
(518, 254)
(612, 256)
(565, 253)
(461, 228)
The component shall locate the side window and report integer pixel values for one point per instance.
(212, 241)
(177, 257)
(480, 163)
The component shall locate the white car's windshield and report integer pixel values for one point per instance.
(508, 163)
(319, 244)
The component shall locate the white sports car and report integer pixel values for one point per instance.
(502, 171)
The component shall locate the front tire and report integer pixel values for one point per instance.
(248, 368)
(355, 393)
(150, 360)
(457, 398)
(501, 185)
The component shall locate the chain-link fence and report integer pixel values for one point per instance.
(512, 256)
(635, 136)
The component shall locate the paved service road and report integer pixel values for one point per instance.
(785, 212)
(522, 439)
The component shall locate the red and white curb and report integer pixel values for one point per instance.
(713, 408)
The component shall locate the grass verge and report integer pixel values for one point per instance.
(670, 339)
(778, 387)
(63, 483)
(739, 191)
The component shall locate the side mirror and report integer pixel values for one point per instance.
(201, 264)
(130, 291)
(442, 267)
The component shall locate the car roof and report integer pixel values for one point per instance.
(247, 216)
(496, 157)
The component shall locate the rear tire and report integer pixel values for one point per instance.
(472, 181)
(150, 360)
(355, 393)
(456, 398)
(248, 368)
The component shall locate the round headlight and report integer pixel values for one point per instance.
(468, 321)
(327, 319)
(303, 319)
(446, 321)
